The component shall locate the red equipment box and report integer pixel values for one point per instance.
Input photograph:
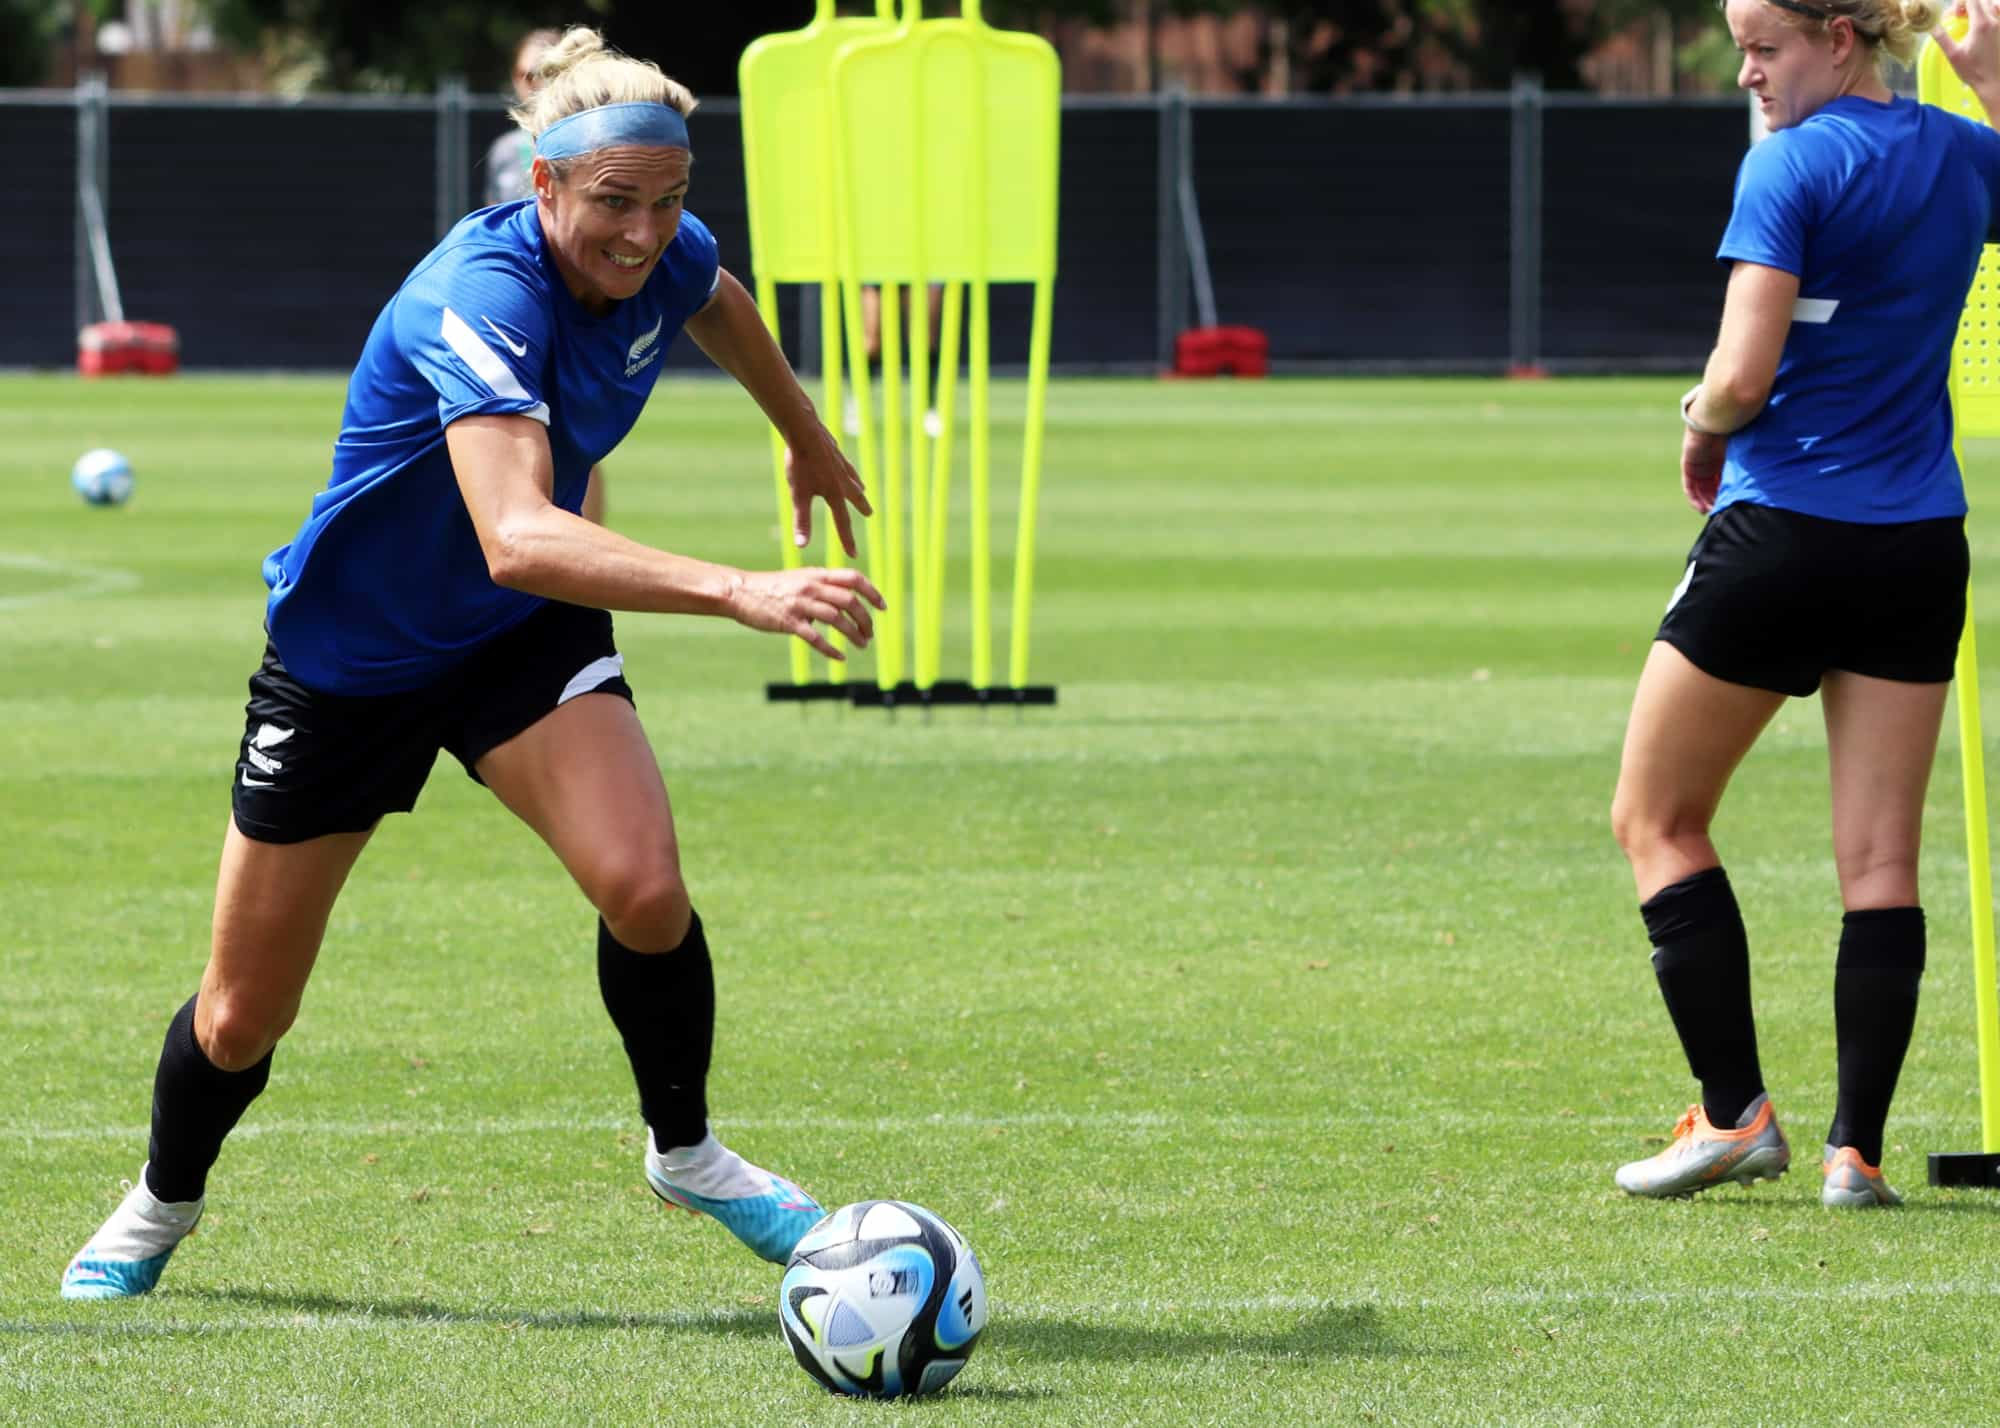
(1219, 351)
(105, 349)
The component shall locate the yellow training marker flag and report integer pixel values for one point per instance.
(787, 169)
(1975, 403)
(947, 141)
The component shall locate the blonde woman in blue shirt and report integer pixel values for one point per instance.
(1819, 446)
(443, 594)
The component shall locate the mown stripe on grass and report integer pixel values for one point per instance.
(76, 580)
(897, 1125)
(396, 1317)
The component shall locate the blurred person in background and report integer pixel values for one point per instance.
(510, 161)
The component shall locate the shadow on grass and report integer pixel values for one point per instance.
(1927, 1201)
(742, 1323)
(1922, 1199)
(1336, 1331)
(737, 1323)
(1333, 1332)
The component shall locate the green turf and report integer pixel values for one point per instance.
(1270, 1014)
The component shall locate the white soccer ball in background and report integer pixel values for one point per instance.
(102, 477)
(882, 1299)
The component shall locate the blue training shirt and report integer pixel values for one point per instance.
(1881, 210)
(385, 587)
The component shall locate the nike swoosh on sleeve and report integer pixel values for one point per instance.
(487, 365)
(519, 349)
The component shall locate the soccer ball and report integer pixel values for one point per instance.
(102, 477)
(881, 1299)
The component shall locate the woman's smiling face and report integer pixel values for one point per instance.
(609, 216)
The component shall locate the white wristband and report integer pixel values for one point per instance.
(1687, 413)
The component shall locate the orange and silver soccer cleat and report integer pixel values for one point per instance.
(1702, 1155)
(1851, 1182)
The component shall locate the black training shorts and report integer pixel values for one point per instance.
(314, 763)
(1775, 599)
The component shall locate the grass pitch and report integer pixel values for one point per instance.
(1270, 1014)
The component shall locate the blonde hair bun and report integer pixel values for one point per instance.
(577, 44)
(579, 72)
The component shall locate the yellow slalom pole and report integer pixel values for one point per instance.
(767, 304)
(875, 528)
(920, 383)
(829, 368)
(1979, 875)
(947, 402)
(889, 654)
(920, 492)
(1031, 486)
(1973, 412)
(981, 495)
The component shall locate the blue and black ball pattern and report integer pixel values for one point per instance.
(851, 1270)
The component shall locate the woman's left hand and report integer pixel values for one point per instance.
(816, 466)
(1975, 55)
(1701, 468)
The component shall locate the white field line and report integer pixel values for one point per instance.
(1416, 1122)
(1194, 1307)
(81, 580)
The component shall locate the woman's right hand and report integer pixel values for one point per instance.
(798, 602)
(1701, 468)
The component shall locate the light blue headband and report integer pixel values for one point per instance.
(653, 125)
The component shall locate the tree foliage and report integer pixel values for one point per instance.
(1483, 44)
(1498, 39)
(28, 33)
(391, 45)
(1334, 44)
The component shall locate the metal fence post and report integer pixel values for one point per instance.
(454, 161)
(92, 177)
(1525, 285)
(1175, 163)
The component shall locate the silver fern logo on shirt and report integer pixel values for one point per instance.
(643, 351)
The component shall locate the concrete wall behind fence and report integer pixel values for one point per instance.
(1469, 233)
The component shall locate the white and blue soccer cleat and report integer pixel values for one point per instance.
(767, 1212)
(124, 1258)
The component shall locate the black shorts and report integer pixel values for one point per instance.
(313, 763)
(1774, 599)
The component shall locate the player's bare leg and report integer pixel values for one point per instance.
(1688, 732)
(585, 779)
(272, 901)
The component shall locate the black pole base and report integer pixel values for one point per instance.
(1966, 1167)
(944, 693)
(951, 692)
(819, 691)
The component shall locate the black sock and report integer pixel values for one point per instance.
(195, 1105)
(1874, 1009)
(1702, 959)
(663, 1004)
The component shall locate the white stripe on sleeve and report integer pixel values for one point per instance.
(487, 364)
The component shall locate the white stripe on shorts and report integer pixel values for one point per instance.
(1682, 588)
(592, 675)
